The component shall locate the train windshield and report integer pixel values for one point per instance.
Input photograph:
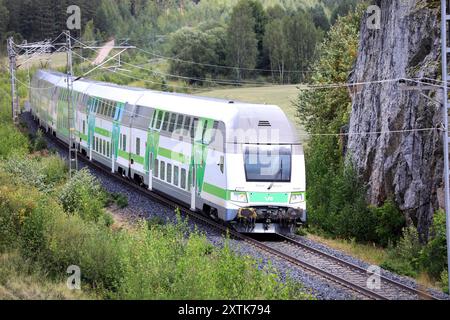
(268, 163)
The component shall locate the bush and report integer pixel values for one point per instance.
(389, 223)
(404, 258)
(84, 195)
(12, 142)
(119, 199)
(43, 173)
(410, 256)
(444, 281)
(16, 204)
(433, 257)
(39, 142)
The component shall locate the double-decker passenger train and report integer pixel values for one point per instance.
(237, 162)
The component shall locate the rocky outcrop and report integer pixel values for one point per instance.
(406, 166)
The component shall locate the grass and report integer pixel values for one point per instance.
(366, 252)
(283, 96)
(20, 281)
(44, 61)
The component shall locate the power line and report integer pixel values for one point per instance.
(218, 81)
(132, 77)
(220, 66)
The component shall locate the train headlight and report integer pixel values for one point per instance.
(297, 197)
(238, 196)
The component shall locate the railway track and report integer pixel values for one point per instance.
(348, 276)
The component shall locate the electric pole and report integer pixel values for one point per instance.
(446, 105)
(12, 72)
(71, 112)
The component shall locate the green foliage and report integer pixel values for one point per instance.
(433, 257)
(84, 195)
(329, 110)
(389, 222)
(404, 258)
(43, 173)
(12, 142)
(444, 281)
(200, 47)
(145, 263)
(241, 39)
(119, 199)
(410, 256)
(39, 142)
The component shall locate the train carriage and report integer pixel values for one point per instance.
(237, 162)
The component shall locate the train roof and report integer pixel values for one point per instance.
(236, 115)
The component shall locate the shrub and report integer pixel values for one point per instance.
(12, 141)
(84, 195)
(16, 203)
(433, 257)
(43, 173)
(389, 223)
(39, 142)
(120, 200)
(444, 281)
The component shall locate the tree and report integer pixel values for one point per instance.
(242, 40)
(189, 44)
(302, 38)
(260, 16)
(276, 44)
(4, 20)
(320, 18)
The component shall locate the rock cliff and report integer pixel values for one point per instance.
(406, 166)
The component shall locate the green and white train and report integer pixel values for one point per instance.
(239, 163)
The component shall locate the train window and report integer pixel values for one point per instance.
(138, 146)
(156, 168)
(107, 149)
(176, 177)
(187, 124)
(159, 120)
(173, 118)
(84, 127)
(194, 125)
(162, 170)
(183, 179)
(179, 123)
(124, 142)
(169, 173)
(155, 114)
(96, 144)
(166, 121)
(268, 163)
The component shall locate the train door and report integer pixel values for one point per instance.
(152, 146)
(116, 134)
(92, 105)
(202, 137)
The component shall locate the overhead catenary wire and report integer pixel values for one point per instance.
(219, 66)
(212, 80)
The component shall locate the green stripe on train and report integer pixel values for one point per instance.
(176, 156)
(103, 132)
(216, 191)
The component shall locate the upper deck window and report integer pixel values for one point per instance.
(268, 163)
